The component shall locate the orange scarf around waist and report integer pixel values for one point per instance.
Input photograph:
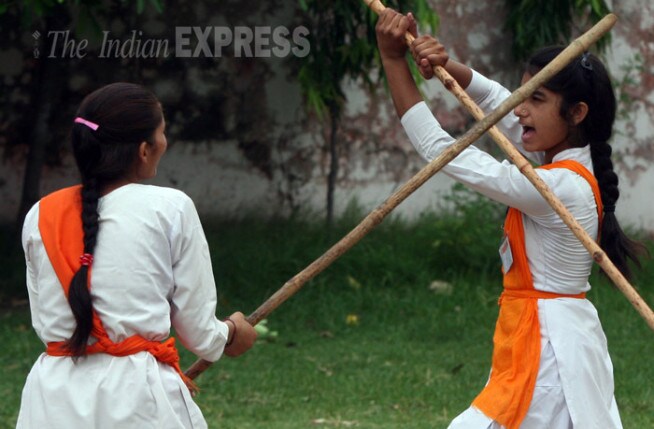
(516, 342)
(60, 225)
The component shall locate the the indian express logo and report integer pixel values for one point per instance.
(189, 42)
(246, 41)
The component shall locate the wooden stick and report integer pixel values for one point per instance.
(377, 215)
(526, 168)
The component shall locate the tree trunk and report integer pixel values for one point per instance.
(50, 78)
(333, 165)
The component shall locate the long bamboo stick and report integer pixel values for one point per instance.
(526, 168)
(378, 214)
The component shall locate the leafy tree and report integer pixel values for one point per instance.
(537, 23)
(343, 45)
(79, 16)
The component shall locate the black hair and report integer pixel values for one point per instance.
(127, 115)
(585, 79)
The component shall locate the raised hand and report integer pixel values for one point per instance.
(428, 53)
(391, 29)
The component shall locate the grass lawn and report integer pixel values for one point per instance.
(367, 343)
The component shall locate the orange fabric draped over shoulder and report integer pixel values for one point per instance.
(60, 225)
(516, 342)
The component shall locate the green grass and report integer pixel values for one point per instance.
(415, 359)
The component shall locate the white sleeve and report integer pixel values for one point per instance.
(193, 306)
(500, 181)
(30, 225)
(488, 95)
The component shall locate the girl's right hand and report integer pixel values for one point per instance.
(428, 53)
(391, 29)
(241, 335)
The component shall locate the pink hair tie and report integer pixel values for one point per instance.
(86, 259)
(91, 125)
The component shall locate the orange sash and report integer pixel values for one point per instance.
(60, 224)
(516, 342)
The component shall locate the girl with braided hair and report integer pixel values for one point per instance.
(551, 367)
(112, 266)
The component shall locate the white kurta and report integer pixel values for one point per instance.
(575, 380)
(151, 270)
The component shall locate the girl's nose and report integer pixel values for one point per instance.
(520, 111)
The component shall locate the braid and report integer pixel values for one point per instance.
(618, 247)
(90, 197)
(606, 177)
(79, 296)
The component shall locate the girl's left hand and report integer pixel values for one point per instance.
(428, 53)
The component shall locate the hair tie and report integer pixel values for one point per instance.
(86, 259)
(584, 61)
(91, 125)
(609, 208)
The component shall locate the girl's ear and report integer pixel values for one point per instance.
(141, 161)
(578, 112)
(143, 152)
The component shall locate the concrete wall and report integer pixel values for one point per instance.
(242, 143)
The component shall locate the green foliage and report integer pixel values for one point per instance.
(537, 23)
(468, 236)
(33, 10)
(343, 45)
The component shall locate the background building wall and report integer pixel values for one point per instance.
(241, 142)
